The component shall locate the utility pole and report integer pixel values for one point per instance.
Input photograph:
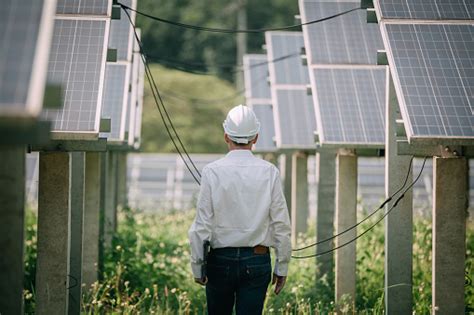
(241, 41)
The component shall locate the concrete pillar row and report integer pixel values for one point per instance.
(12, 227)
(122, 198)
(326, 178)
(399, 224)
(110, 215)
(54, 199)
(287, 182)
(450, 200)
(346, 217)
(91, 237)
(299, 194)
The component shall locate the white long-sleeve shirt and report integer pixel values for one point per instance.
(241, 204)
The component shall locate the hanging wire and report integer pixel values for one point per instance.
(158, 100)
(366, 218)
(373, 225)
(234, 31)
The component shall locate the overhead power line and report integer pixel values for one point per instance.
(234, 31)
(163, 111)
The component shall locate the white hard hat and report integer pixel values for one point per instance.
(241, 124)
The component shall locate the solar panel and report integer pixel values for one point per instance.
(77, 62)
(257, 88)
(140, 93)
(115, 99)
(265, 142)
(25, 34)
(133, 100)
(350, 104)
(83, 7)
(347, 39)
(121, 33)
(289, 70)
(294, 118)
(426, 9)
(433, 66)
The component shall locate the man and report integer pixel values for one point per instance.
(241, 210)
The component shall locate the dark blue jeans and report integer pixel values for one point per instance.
(237, 276)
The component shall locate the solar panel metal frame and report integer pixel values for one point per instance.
(32, 106)
(275, 88)
(412, 138)
(81, 134)
(133, 101)
(140, 92)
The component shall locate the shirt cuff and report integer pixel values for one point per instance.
(196, 270)
(281, 269)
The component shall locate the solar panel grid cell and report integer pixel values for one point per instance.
(19, 28)
(83, 7)
(77, 63)
(265, 142)
(256, 74)
(427, 9)
(434, 66)
(350, 103)
(295, 118)
(113, 102)
(347, 39)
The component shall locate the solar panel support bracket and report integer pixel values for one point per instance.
(372, 16)
(382, 59)
(24, 131)
(309, 91)
(111, 55)
(366, 4)
(116, 12)
(105, 125)
(99, 145)
(442, 150)
(53, 96)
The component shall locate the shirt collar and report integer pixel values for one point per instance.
(240, 153)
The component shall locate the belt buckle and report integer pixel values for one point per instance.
(260, 250)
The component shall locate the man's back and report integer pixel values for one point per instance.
(241, 196)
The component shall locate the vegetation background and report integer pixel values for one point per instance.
(198, 103)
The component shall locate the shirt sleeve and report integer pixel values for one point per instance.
(201, 228)
(280, 224)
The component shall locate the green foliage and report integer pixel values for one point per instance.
(198, 124)
(190, 46)
(147, 271)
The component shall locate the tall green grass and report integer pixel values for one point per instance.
(147, 271)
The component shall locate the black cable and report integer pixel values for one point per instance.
(373, 225)
(233, 31)
(157, 96)
(179, 64)
(75, 284)
(366, 218)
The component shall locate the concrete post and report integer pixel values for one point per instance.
(110, 218)
(122, 201)
(76, 231)
(399, 224)
(346, 216)
(90, 249)
(287, 182)
(53, 233)
(326, 172)
(104, 158)
(12, 217)
(449, 234)
(299, 195)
